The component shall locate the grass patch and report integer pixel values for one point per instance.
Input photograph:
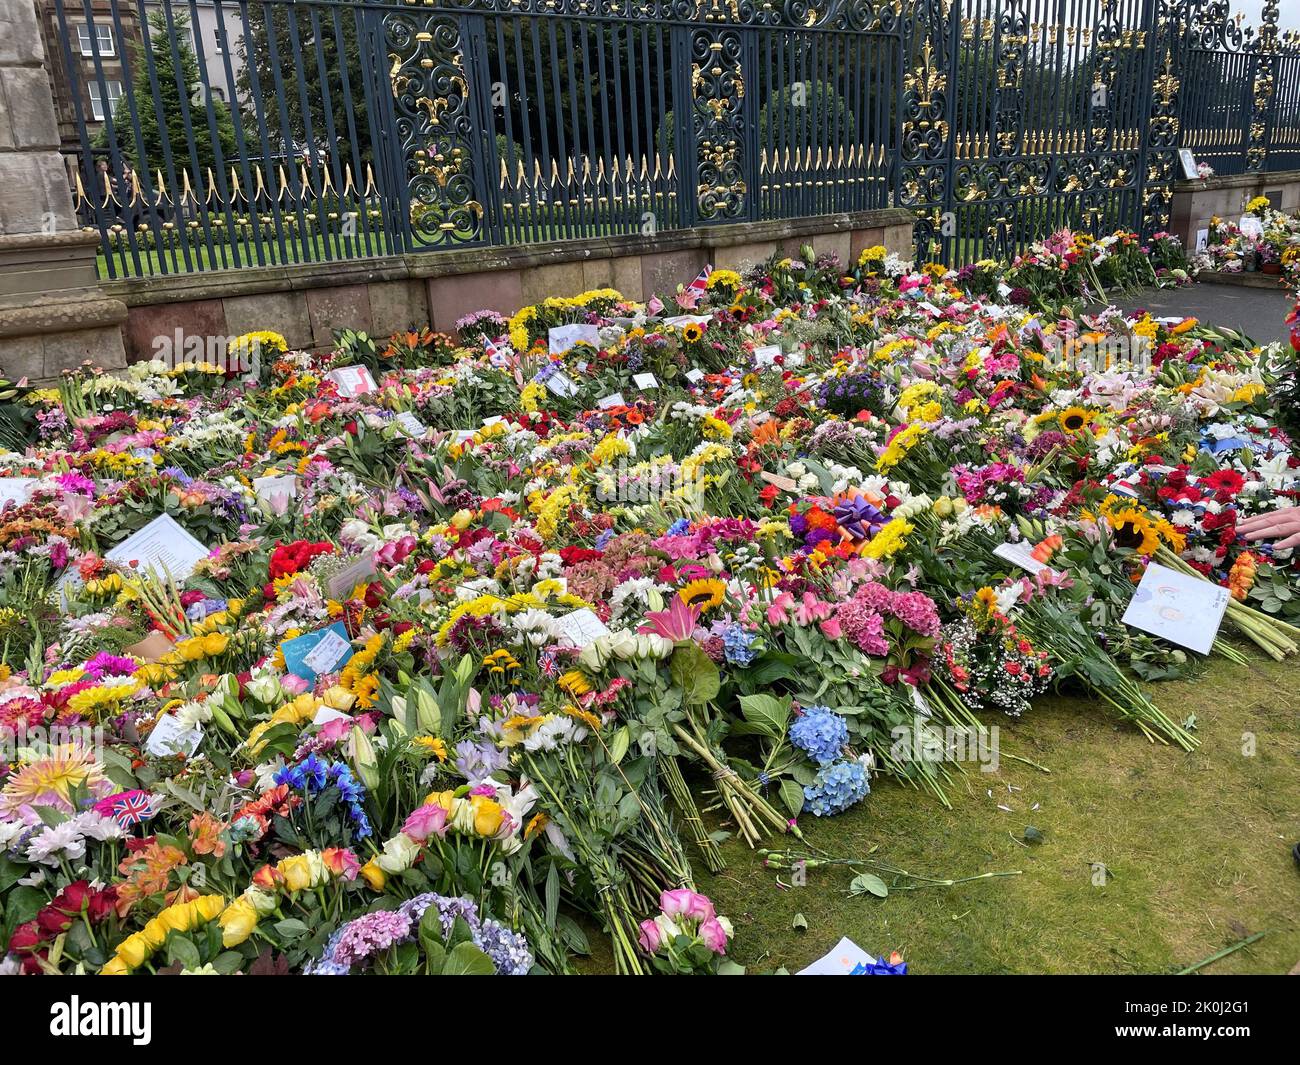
(1197, 848)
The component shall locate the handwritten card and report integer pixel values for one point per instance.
(316, 653)
(846, 958)
(351, 575)
(170, 738)
(767, 354)
(580, 628)
(410, 424)
(270, 489)
(614, 399)
(645, 381)
(562, 385)
(695, 375)
(681, 321)
(163, 545)
(1020, 554)
(1178, 607)
(560, 338)
(352, 381)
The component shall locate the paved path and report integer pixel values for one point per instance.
(1260, 313)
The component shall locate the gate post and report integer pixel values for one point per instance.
(52, 316)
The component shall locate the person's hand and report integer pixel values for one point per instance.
(1284, 522)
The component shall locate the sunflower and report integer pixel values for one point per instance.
(1133, 529)
(1074, 419)
(704, 593)
(692, 332)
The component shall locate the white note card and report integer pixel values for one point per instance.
(695, 375)
(645, 381)
(410, 424)
(1020, 554)
(326, 654)
(614, 399)
(581, 627)
(843, 959)
(170, 738)
(562, 385)
(162, 544)
(1178, 607)
(766, 355)
(352, 381)
(16, 490)
(283, 486)
(560, 338)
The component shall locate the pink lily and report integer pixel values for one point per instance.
(675, 623)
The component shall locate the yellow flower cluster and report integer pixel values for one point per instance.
(889, 541)
(898, 448)
(138, 948)
(298, 712)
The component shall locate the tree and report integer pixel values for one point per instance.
(172, 54)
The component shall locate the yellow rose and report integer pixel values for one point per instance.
(214, 643)
(190, 650)
(373, 875)
(296, 872)
(237, 922)
(206, 907)
(178, 918)
(154, 933)
(115, 966)
(487, 815)
(133, 950)
(461, 519)
(337, 698)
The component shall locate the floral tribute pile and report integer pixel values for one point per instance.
(492, 639)
(1263, 239)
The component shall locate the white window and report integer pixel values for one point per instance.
(97, 101)
(103, 33)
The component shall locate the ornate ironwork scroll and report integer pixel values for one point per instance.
(434, 126)
(717, 116)
(1266, 46)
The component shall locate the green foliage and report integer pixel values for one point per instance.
(162, 120)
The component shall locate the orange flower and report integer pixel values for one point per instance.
(205, 835)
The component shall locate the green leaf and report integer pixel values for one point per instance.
(180, 951)
(292, 928)
(619, 744)
(466, 959)
(694, 672)
(766, 713)
(868, 884)
(792, 796)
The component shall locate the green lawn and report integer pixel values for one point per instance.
(1197, 847)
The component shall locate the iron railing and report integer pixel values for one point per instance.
(217, 134)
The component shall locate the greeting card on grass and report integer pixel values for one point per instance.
(1178, 607)
(316, 653)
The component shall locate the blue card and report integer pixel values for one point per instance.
(317, 653)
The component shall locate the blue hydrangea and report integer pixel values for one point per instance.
(820, 733)
(836, 788)
(680, 527)
(737, 645)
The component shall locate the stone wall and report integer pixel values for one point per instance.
(52, 314)
(1196, 202)
(308, 302)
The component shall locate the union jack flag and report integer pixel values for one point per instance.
(701, 282)
(131, 808)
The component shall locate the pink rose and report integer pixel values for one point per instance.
(425, 821)
(714, 935)
(651, 937)
(683, 902)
